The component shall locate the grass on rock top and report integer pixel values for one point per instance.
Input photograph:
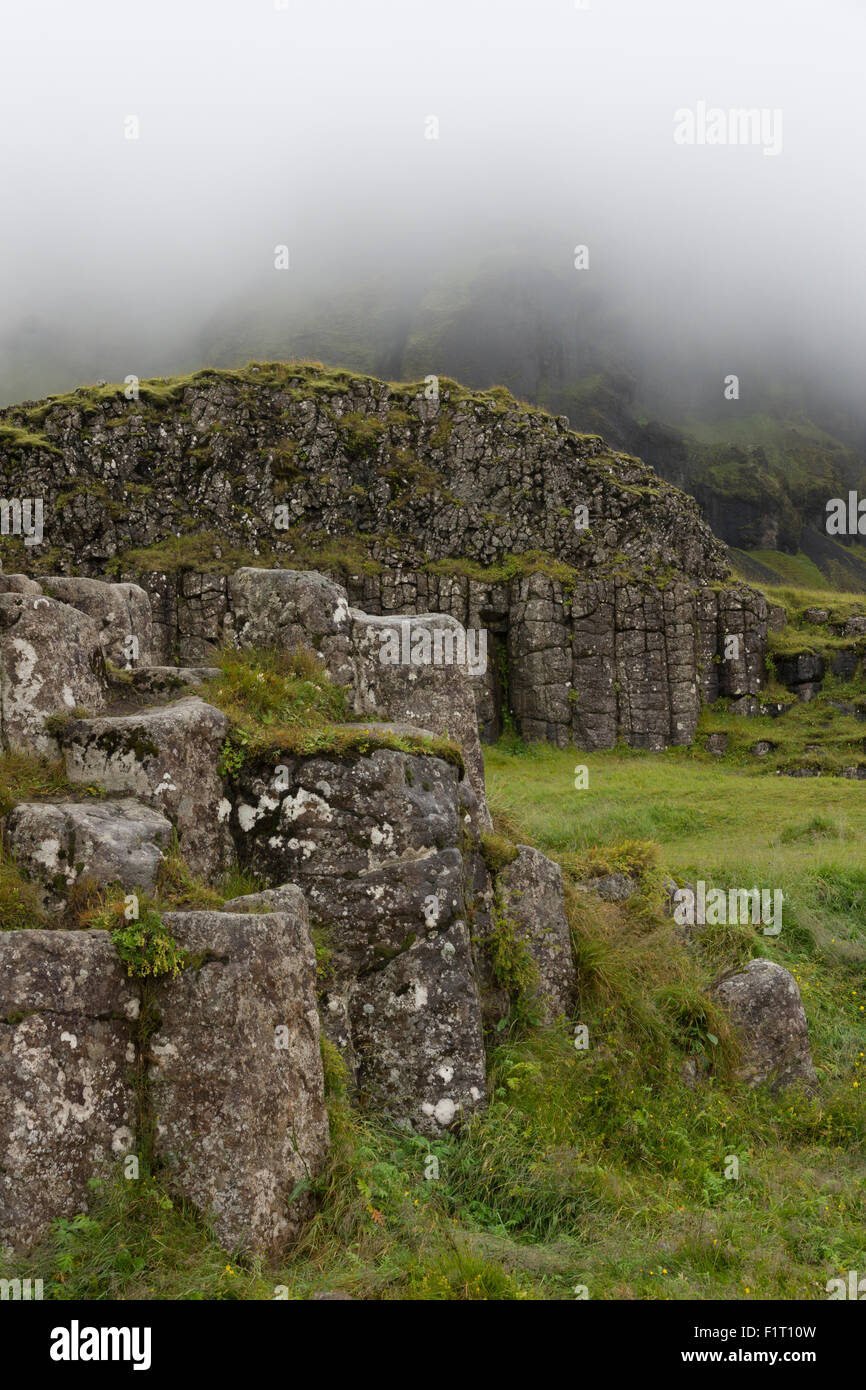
(284, 702)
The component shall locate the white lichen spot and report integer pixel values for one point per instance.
(70, 1038)
(48, 853)
(420, 995)
(304, 801)
(444, 1111)
(384, 837)
(224, 809)
(446, 1073)
(122, 1140)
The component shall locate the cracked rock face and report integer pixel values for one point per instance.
(67, 1108)
(375, 845)
(765, 1007)
(56, 843)
(50, 662)
(236, 1077)
(168, 757)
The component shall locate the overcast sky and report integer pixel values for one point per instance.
(305, 126)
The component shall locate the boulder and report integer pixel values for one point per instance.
(291, 608)
(533, 898)
(67, 1105)
(19, 584)
(57, 843)
(50, 662)
(235, 1075)
(120, 611)
(167, 756)
(613, 888)
(765, 1008)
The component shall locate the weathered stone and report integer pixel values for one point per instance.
(160, 680)
(762, 748)
(613, 888)
(291, 608)
(777, 617)
(67, 1108)
(19, 584)
(374, 844)
(284, 898)
(433, 691)
(717, 744)
(168, 757)
(804, 668)
(120, 612)
(50, 662)
(235, 1078)
(533, 898)
(56, 843)
(416, 1032)
(765, 1008)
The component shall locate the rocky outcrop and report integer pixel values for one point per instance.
(223, 1087)
(374, 843)
(601, 590)
(235, 1077)
(51, 662)
(168, 756)
(67, 1105)
(765, 1008)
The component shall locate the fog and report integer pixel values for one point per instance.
(306, 125)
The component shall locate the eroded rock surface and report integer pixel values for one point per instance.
(120, 611)
(533, 897)
(236, 1079)
(57, 843)
(51, 662)
(168, 756)
(375, 844)
(765, 1007)
(67, 1107)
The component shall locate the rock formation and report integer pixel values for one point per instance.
(603, 594)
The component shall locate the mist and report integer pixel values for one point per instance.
(308, 127)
